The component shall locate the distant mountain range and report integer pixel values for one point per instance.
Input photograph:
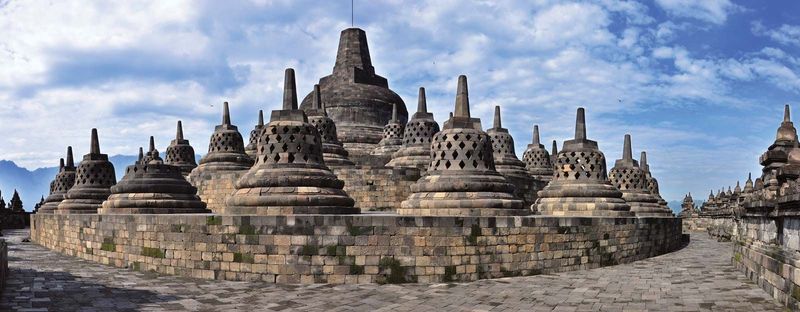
(32, 185)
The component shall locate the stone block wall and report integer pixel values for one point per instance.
(377, 188)
(215, 187)
(355, 248)
(720, 227)
(776, 271)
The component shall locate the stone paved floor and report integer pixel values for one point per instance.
(696, 278)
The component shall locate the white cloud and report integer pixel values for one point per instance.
(786, 34)
(712, 11)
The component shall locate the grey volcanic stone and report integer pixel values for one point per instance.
(333, 152)
(180, 153)
(461, 179)
(537, 160)
(631, 180)
(65, 179)
(357, 99)
(225, 148)
(392, 136)
(505, 158)
(250, 149)
(652, 183)
(580, 185)
(153, 187)
(93, 178)
(290, 176)
(416, 149)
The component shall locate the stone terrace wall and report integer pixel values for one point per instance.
(774, 270)
(719, 227)
(355, 248)
(379, 188)
(215, 187)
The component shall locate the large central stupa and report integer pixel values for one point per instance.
(358, 100)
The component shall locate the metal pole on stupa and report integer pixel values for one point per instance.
(537, 160)
(153, 187)
(332, 150)
(64, 180)
(289, 176)
(461, 179)
(419, 131)
(180, 153)
(93, 179)
(628, 177)
(580, 185)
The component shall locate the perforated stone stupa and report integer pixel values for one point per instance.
(392, 136)
(180, 153)
(461, 179)
(357, 99)
(332, 150)
(580, 185)
(652, 183)
(629, 178)
(290, 176)
(153, 187)
(93, 178)
(250, 149)
(537, 160)
(225, 162)
(64, 180)
(505, 158)
(416, 149)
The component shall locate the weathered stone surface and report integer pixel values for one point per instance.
(333, 152)
(580, 185)
(358, 100)
(290, 176)
(652, 183)
(250, 149)
(537, 160)
(392, 139)
(629, 178)
(507, 163)
(355, 248)
(462, 179)
(416, 149)
(65, 179)
(153, 188)
(180, 153)
(93, 178)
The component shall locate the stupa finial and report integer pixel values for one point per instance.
(289, 90)
(580, 124)
(497, 122)
(70, 160)
(95, 145)
(462, 98)
(394, 112)
(179, 132)
(60, 164)
(786, 114)
(260, 117)
(317, 99)
(627, 153)
(555, 148)
(643, 161)
(422, 102)
(141, 154)
(536, 135)
(152, 144)
(226, 114)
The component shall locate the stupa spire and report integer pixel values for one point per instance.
(260, 117)
(627, 153)
(394, 112)
(226, 114)
(179, 131)
(580, 125)
(643, 161)
(141, 154)
(554, 152)
(94, 147)
(70, 160)
(497, 122)
(317, 99)
(462, 98)
(422, 102)
(786, 114)
(61, 164)
(289, 90)
(152, 144)
(536, 135)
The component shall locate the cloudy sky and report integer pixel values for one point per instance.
(699, 84)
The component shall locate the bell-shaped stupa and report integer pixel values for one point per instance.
(580, 185)
(65, 179)
(93, 178)
(250, 149)
(153, 187)
(332, 150)
(357, 99)
(652, 182)
(629, 178)
(416, 149)
(180, 154)
(537, 160)
(290, 176)
(777, 155)
(505, 158)
(225, 163)
(392, 136)
(461, 179)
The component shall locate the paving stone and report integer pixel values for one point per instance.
(698, 277)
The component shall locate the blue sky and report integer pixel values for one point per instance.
(700, 85)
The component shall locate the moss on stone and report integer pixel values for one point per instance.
(474, 232)
(309, 250)
(738, 257)
(153, 252)
(108, 244)
(449, 274)
(243, 257)
(246, 229)
(356, 269)
(212, 220)
(89, 251)
(391, 272)
(136, 266)
(358, 230)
